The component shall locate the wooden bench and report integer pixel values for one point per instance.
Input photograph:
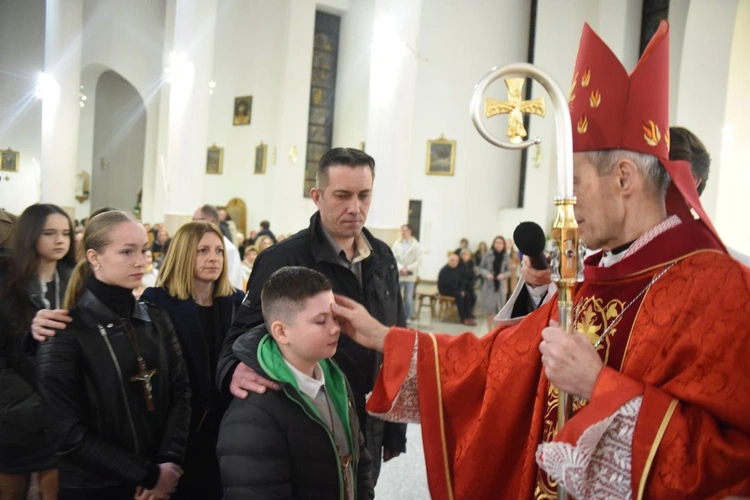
(447, 309)
(431, 297)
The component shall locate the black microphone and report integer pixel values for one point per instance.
(529, 238)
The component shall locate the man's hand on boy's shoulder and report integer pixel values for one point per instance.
(246, 379)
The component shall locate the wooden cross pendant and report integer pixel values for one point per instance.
(514, 107)
(144, 376)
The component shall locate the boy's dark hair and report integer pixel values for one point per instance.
(348, 157)
(285, 292)
(265, 224)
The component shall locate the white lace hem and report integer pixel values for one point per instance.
(599, 466)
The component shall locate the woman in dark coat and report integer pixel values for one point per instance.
(35, 276)
(114, 379)
(194, 290)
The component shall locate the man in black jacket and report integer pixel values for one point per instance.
(360, 267)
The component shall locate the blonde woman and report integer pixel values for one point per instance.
(263, 242)
(193, 288)
(114, 379)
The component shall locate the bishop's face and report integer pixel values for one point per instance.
(599, 211)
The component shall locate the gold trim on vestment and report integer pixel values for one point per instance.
(442, 418)
(655, 446)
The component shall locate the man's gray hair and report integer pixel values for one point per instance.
(210, 213)
(648, 165)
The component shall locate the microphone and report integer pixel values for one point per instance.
(529, 238)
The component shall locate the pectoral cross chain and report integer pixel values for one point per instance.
(144, 376)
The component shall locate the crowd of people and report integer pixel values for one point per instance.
(192, 391)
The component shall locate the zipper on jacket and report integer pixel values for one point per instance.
(122, 388)
(335, 450)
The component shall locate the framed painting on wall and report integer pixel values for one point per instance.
(215, 160)
(243, 107)
(441, 156)
(261, 157)
(9, 161)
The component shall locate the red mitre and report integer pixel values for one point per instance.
(613, 110)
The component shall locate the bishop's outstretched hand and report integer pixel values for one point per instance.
(359, 324)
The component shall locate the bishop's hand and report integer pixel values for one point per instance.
(570, 361)
(358, 324)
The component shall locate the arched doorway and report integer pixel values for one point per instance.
(237, 210)
(119, 143)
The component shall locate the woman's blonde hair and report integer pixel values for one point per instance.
(177, 272)
(95, 237)
(259, 243)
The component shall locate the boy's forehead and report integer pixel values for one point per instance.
(320, 302)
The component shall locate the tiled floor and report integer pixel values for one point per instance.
(405, 477)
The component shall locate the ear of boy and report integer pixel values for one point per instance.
(279, 332)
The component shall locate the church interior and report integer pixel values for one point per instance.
(136, 105)
(157, 107)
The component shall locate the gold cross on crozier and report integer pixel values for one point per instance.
(144, 376)
(514, 107)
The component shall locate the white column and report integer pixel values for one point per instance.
(189, 106)
(393, 82)
(60, 108)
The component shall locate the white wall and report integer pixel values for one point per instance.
(731, 167)
(456, 48)
(702, 86)
(248, 60)
(119, 143)
(21, 61)
(127, 37)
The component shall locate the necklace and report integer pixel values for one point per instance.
(144, 375)
(619, 316)
(43, 286)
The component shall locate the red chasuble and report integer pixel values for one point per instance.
(684, 346)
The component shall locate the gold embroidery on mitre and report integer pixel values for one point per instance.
(571, 95)
(583, 125)
(666, 139)
(651, 133)
(596, 99)
(586, 78)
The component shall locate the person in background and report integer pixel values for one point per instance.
(451, 284)
(408, 256)
(495, 270)
(303, 441)
(480, 253)
(34, 276)
(263, 242)
(265, 230)
(225, 221)
(150, 273)
(470, 278)
(7, 222)
(462, 245)
(194, 290)
(248, 262)
(251, 236)
(160, 242)
(114, 379)
(208, 213)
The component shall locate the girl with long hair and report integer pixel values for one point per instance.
(193, 288)
(114, 379)
(36, 275)
(495, 271)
